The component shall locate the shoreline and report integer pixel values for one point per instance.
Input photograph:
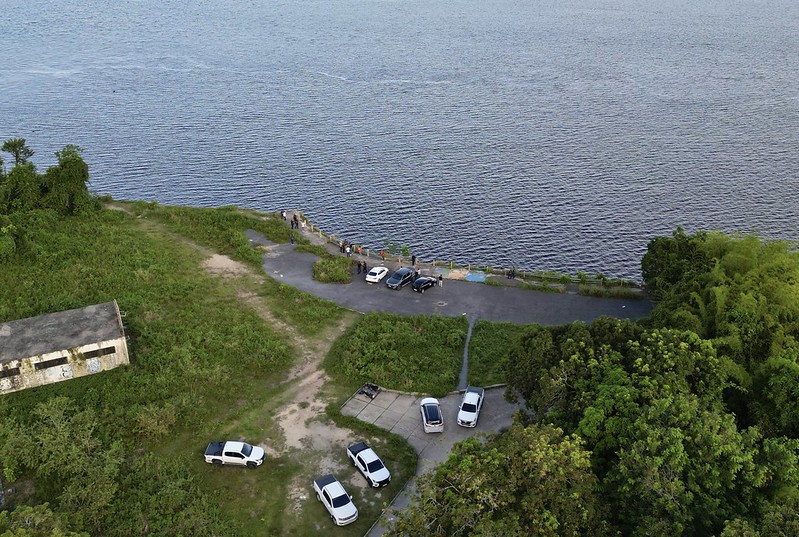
(541, 280)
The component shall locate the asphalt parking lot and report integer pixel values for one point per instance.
(455, 298)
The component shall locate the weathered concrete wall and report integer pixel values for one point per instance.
(77, 362)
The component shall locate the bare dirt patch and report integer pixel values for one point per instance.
(223, 266)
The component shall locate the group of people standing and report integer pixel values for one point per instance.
(362, 267)
(295, 221)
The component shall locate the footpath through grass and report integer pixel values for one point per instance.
(205, 366)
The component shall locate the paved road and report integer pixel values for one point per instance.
(477, 300)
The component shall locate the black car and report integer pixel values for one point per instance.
(425, 282)
(402, 277)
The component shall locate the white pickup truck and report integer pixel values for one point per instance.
(369, 464)
(236, 453)
(336, 500)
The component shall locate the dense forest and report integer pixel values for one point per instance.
(683, 425)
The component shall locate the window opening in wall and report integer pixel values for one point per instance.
(12, 372)
(99, 352)
(50, 363)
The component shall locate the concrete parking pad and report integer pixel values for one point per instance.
(399, 413)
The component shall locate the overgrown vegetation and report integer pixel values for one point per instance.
(688, 419)
(120, 453)
(333, 269)
(415, 354)
(489, 352)
(221, 229)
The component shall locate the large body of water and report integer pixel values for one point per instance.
(550, 134)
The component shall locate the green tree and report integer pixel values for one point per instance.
(61, 448)
(531, 481)
(66, 183)
(35, 521)
(21, 190)
(670, 260)
(17, 147)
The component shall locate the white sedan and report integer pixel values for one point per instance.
(376, 274)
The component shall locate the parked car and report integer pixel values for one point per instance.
(376, 274)
(336, 500)
(369, 464)
(235, 453)
(422, 283)
(432, 419)
(470, 407)
(402, 277)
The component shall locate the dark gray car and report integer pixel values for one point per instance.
(402, 277)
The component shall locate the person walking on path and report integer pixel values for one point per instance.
(364, 267)
(359, 267)
(283, 215)
(440, 280)
(348, 251)
(413, 260)
(383, 255)
(291, 237)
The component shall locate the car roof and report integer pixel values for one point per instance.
(325, 480)
(471, 397)
(335, 489)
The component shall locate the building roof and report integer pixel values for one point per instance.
(59, 331)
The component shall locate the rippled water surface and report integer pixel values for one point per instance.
(556, 134)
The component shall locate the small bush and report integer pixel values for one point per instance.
(333, 269)
(610, 292)
(541, 287)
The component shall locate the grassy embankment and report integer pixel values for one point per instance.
(205, 362)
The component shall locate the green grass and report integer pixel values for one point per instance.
(488, 352)
(220, 229)
(333, 269)
(204, 364)
(414, 354)
(611, 292)
(544, 287)
(308, 314)
(316, 249)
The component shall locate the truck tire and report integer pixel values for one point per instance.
(217, 462)
(252, 465)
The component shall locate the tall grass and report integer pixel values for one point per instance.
(415, 354)
(489, 349)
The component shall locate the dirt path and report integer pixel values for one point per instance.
(299, 406)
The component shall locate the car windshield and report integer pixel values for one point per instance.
(246, 450)
(340, 501)
(374, 466)
(468, 407)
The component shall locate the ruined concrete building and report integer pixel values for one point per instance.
(61, 346)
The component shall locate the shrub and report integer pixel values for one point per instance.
(333, 269)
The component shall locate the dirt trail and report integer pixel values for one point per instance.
(308, 435)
